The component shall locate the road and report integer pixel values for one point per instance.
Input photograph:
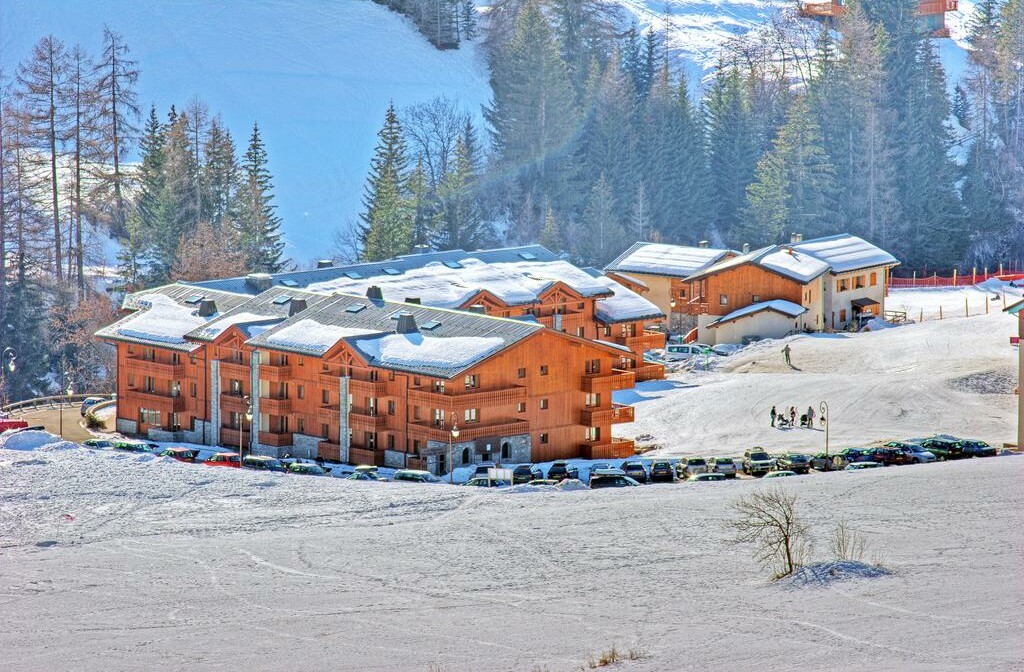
(50, 417)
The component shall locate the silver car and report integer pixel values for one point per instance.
(722, 465)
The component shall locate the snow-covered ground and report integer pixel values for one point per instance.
(954, 375)
(116, 561)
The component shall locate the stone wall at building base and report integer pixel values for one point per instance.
(305, 446)
(126, 426)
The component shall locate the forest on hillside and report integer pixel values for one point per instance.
(593, 141)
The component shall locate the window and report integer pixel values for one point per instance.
(842, 285)
(858, 282)
(374, 376)
(325, 431)
(874, 279)
(593, 366)
(131, 380)
(149, 354)
(148, 384)
(756, 298)
(543, 404)
(593, 434)
(465, 455)
(506, 451)
(235, 387)
(300, 391)
(581, 332)
(234, 420)
(471, 415)
(593, 399)
(282, 359)
(439, 386)
(300, 425)
(416, 381)
(391, 441)
(371, 440)
(391, 407)
(521, 373)
(175, 422)
(416, 446)
(607, 330)
(415, 412)
(521, 407)
(149, 417)
(175, 358)
(325, 397)
(543, 369)
(723, 299)
(193, 390)
(543, 438)
(842, 314)
(439, 417)
(301, 361)
(471, 382)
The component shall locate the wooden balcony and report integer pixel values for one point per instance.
(366, 422)
(330, 415)
(232, 402)
(230, 436)
(275, 374)
(602, 416)
(616, 379)
(233, 370)
(326, 450)
(144, 367)
(460, 397)
(617, 448)
(273, 406)
(415, 463)
(650, 371)
(276, 438)
(365, 456)
(566, 323)
(650, 340)
(157, 401)
(367, 388)
(469, 432)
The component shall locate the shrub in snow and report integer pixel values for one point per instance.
(768, 520)
(824, 573)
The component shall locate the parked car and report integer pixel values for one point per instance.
(482, 467)
(945, 448)
(414, 476)
(795, 462)
(363, 476)
(522, 474)
(135, 446)
(262, 463)
(917, 454)
(681, 352)
(661, 470)
(848, 456)
(611, 478)
(11, 423)
(822, 462)
(693, 465)
(977, 448)
(561, 469)
(223, 460)
(368, 469)
(722, 465)
(891, 456)
(543, 481)
(635, 470)
(484, 482)
(306, 469)
(707, 477)
(856, 466)
(780, 473)
(726, 349)
(88, 403)
(756, 461)
(180, 454)
(98, 443)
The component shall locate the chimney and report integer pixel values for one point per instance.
(259, 282)
(702, 243)
(478, 308)
(796, 238)
(406, 324)
(324, 263)
(296, 306)
(207, 308)
(746, 248)
(374, 293)
(413, 299)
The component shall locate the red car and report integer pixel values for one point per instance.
(7, 423)
(224, 460)
(180, 454)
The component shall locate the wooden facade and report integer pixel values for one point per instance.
(738, 287)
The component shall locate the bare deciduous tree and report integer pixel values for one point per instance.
(208, 253)
(432, 128)
(768, 519)
(847, 543)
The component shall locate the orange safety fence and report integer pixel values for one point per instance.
(964, 280)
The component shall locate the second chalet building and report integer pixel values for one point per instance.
(356, 376)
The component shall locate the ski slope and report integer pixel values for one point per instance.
(316, 74)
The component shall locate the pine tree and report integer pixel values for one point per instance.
(175, 204)
(388, 222)
(257, 224)
(469, 21)
(551, 234)
(425, 207)
(221, 175)
(81, 139)
(599, 237)
(116, 75)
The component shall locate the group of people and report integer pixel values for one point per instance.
(787, 418)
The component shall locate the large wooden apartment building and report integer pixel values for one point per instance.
(358, 378)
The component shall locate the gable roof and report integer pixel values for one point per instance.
(677, 261)
(785, 261)
(446, 342)
(781, 306)
(257, 312)
(844, 252)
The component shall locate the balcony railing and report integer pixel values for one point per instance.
(230, 436)
(650, 371)
(275, 373)
(367, 388)
(144, 367)
(273, 406)
(616, 379)
(366, 456)
(650, 340)
(460, 396)
(232, 402)
(363, 420)
(469, 432)
(158, 401)
(276, 438)
(233, 369)
(330, 415)
(326, 450)
(616, 448)
(601, 416)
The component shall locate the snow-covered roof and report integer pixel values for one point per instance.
(845, 252)
(256, 312)
(160, 320)
(624, 305)
(630, 279)
(782, 260)
(678, 261)
(418, 351)
(787, 308)
(314, 337)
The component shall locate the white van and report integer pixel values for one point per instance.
(678, 353)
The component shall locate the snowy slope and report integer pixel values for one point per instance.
(316, 74)
(121, 562)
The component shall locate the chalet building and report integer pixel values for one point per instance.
(527, 282)
(931, 13)
(361, 379)
(658, 271)
(825, 284)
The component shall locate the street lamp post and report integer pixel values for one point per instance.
(824, 422)
(247, 401)
(452, 435)
(68, 390)
(8, 357)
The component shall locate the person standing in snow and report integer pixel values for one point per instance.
(810, 417)
(792, 413)
(773, 416)
(786, 351)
